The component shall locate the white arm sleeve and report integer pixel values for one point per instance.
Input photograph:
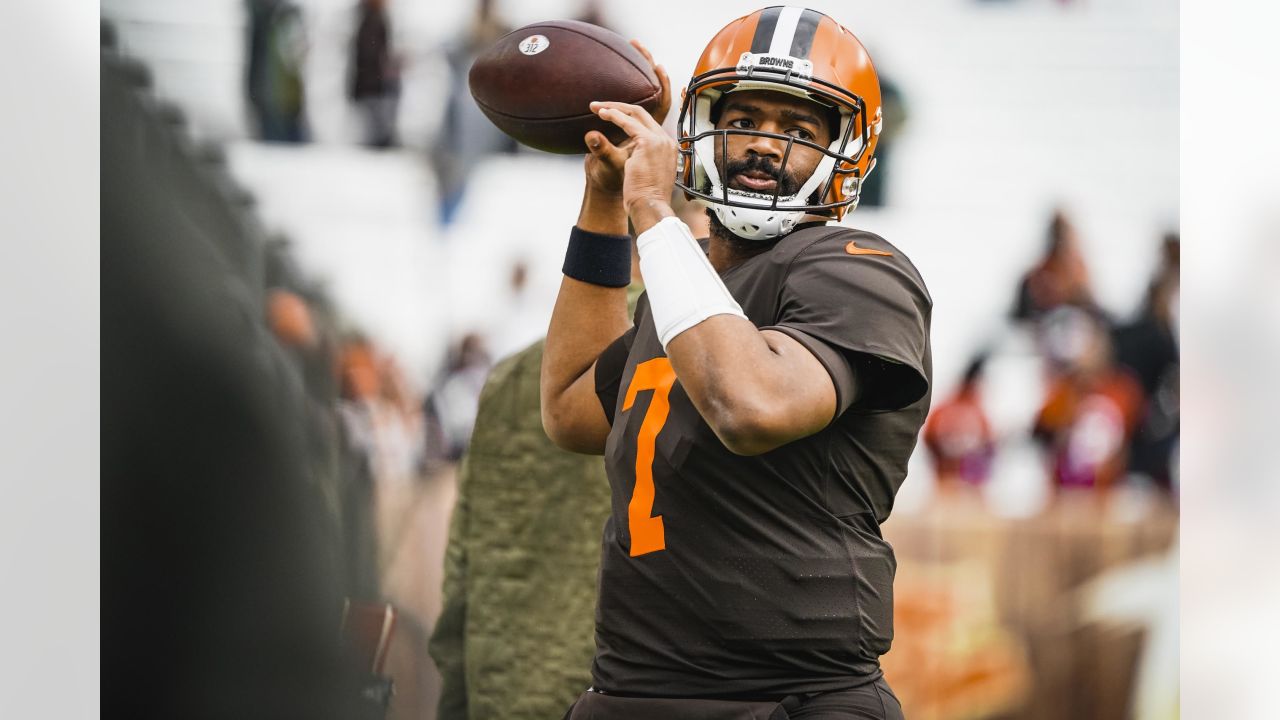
(683, 288)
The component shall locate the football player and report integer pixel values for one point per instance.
(757, 416)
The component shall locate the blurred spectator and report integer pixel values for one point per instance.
(360, 382)
(381, 413)
(467, 135)
(451, 409)
(401, 427)
(1149, 347)
(1059, 278)
(958, 435)
(894, 111)
(1093, 406)
(375, 76)
(290, 319)
(382, 450)
(277, 52)
(360, 389)
(305, 322)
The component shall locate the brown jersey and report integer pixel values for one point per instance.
(724, 575)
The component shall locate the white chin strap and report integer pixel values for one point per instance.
(756, 223)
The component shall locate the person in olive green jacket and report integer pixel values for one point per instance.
(516, 635)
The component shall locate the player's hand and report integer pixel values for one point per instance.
(664, 104)
(604, 161)
(650, 163)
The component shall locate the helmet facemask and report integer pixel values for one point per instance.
(765, 216)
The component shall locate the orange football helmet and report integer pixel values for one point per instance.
(796, 51)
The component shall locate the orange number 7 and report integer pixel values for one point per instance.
(646, 530)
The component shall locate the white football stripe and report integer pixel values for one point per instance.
(785, 31)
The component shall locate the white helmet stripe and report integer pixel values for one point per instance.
(784, 32)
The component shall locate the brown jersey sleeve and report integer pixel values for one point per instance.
(609, 369)
(861, 308)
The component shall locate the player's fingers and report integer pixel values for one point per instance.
(600, 146)
(620, 115)
(634, 112)
(625, 108)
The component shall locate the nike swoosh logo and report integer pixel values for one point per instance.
(853, 249)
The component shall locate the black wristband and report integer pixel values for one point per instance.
(598, 259)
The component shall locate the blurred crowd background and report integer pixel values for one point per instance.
(315, 248)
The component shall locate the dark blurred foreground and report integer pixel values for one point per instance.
(222, 590)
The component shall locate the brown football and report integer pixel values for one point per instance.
(537, 82)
